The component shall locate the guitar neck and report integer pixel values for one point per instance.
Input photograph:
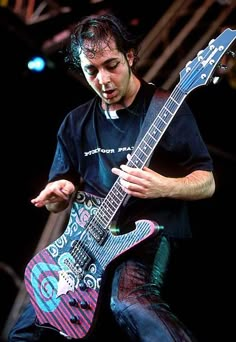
(145, 148)
(141, 155)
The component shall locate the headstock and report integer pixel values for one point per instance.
(199, 71)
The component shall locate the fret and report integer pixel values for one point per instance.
(162, 120)
(141, 154)
(160, 125)
(100, 221)
(107, 210)
(116, 194)
(151, 138)
(167, 111)
(171, 106)
(144, 147)
(173, 100)
(167, 114)
(137, 160)
(111, 202)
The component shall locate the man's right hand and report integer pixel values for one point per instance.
(55, 196)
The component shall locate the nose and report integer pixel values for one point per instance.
(103, 77)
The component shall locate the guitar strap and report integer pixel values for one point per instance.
(156, 104)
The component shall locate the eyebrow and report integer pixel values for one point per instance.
(104, 63)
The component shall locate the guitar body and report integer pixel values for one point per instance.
(64, 280)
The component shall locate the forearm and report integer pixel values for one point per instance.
(197, 185)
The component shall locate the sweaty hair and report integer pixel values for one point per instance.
(97, 30)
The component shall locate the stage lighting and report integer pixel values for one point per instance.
(36, 64)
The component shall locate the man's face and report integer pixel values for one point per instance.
(107, 71)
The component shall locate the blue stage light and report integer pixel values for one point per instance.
(37, 64)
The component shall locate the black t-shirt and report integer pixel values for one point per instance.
(91, 142)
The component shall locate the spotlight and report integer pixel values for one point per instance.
(36, 64)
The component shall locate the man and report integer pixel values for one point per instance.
(95, 141)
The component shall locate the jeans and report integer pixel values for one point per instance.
(135, 310)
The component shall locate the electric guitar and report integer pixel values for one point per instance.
(65, 279)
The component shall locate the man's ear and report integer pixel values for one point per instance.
(130, 57)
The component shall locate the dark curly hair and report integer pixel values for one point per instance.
(98, 29)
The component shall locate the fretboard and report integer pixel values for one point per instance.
(140, 156)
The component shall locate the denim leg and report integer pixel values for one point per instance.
(136, 302)
(25, 329)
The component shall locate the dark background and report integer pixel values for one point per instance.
(32, 108)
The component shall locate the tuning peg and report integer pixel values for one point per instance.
(231, 53)
(215, 79)
(211, 45)
(199, 55)
(188, 66)
(200, 52)
(222, 66)
(211, 41)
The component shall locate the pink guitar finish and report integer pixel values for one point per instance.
(64, 280)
